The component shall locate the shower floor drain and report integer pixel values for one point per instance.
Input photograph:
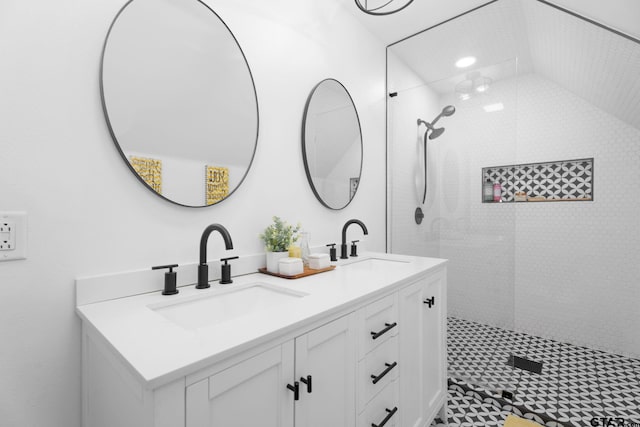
(525, 364)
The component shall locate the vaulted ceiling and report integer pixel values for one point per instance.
(623, 15)
(515, 37)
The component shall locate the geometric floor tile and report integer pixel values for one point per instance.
(577, 386)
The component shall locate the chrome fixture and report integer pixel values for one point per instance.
(382, 7)
(343, 247)
(435, 132)
(203, 268)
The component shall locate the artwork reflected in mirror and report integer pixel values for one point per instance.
(217, 185)
(176, 88)
(332, 144)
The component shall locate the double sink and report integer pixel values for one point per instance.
(221, 305)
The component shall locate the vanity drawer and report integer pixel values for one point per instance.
(383, 407)
(378, 323)
(378, 369)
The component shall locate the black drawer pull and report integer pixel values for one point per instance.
(307, 381)
(430, 301)
(388, 327)
(295, 388)
(390, 413)
(385, 372)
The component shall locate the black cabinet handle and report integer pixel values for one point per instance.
(295, 388)
(390, 413)
(430, 301)
(307, 381)
(389, 326)
(385, 372)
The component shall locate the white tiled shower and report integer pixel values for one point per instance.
(561, 270)
(554, 282)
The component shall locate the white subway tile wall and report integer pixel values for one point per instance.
(566, 271)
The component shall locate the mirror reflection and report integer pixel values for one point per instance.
(332, 144)
(179, 100)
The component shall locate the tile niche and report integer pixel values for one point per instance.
(564, 180)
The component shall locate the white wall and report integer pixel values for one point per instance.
(89, 215)
(478, 238)
(577, 264)
(566, 271)
(405, 159)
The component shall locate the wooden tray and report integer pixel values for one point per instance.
(307, 272)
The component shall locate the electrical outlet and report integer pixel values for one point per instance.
(13, 236)
(7, 235)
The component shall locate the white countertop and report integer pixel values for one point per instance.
(159, 351)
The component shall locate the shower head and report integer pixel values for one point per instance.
(446, 112)
(436, 133)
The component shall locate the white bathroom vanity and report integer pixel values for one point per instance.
(362, 345)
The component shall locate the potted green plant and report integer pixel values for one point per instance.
(277, 238)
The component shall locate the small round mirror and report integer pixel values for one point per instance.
(179, 100)
(332, 144)
(382, 7)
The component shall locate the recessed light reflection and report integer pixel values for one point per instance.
(494, 107)
(465, 62)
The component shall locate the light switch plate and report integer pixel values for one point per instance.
(13, 236)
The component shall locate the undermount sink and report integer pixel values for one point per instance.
(371, 263)
(214, 307)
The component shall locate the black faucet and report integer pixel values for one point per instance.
(343, 247)
(203, 268)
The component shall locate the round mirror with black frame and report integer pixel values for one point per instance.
(332, 144)
(382, 7)
(179, 100)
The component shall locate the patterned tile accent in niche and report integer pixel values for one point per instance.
(577, 179)
(561, 180)
(505, 175)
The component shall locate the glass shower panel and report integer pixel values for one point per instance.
(478, 238)
(548, 113)
(578, 261)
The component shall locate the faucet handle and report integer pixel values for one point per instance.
(225, 275)
(169, 279)
(169, 266)
(332, 251)
(354, 248)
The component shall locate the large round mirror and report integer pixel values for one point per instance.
(332, 144)
(179, 100)
(382, 7)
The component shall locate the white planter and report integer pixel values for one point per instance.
(272, 260)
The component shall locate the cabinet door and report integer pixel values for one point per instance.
(411, 315)
(328, 355)
(435, 344)
(251, 393)
(422, 350)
